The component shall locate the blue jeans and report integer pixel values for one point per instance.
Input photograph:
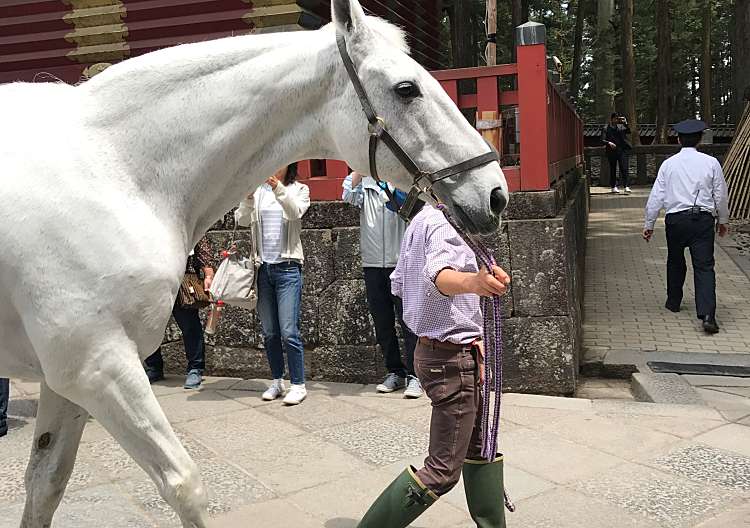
(279, 305)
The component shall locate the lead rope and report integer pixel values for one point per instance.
(493, 360)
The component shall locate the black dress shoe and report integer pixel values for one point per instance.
(672, 307)
(710, 326)
(154, 375)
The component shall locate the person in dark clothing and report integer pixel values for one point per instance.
(190, 325)
(618, 148)
(4, 397)
(381, 232)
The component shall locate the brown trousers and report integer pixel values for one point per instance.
(450, 377)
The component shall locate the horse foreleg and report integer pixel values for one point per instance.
(117, 393)
(59, 426)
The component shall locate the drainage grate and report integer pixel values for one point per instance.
(663, 367)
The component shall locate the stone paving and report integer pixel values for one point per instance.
(626, 288)
(728, 395)
(570, 462)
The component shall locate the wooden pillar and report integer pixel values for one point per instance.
(491, 51)
(336, 169)
(488, 115)
(533, 106)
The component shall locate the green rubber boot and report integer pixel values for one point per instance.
(400, 503)
(483, 482)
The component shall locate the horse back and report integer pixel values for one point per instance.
(80, 249)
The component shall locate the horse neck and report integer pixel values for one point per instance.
(196, 127)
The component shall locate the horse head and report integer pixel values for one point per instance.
(420, 117)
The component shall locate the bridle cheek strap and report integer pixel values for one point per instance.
(423, 180)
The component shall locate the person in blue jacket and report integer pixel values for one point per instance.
(381, 232)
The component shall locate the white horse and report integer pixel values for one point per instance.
(107, 186)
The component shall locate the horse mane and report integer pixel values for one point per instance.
(389, 32)
(384, 30)
(380, 29)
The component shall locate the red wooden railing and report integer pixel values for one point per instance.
(542, 135)
(565, 134)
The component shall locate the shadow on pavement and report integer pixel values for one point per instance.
(341, 522)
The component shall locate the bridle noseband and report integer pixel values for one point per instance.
(423, 180)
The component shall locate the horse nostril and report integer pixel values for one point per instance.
(498, 200)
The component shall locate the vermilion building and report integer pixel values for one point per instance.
(73, 39)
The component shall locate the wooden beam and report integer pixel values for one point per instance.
(491, 51)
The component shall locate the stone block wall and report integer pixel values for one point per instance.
(541, 242)
(543, 336)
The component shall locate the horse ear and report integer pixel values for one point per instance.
(348, 15)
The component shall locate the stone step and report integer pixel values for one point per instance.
(664, 388)
(616, 364)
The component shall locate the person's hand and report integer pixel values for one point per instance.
(273, 181)
(611, 145)
(647, 234)
(208, 278)
(722, 229)
(486, 284)
(356, 179)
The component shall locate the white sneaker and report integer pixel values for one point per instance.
(275, 390)
(627, 190)
(615, 190)
(296, 394)
(392, 382)
(413, 388)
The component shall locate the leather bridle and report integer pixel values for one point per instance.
(423, 180)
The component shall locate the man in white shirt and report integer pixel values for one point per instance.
(691, 188)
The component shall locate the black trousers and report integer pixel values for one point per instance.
(621, 159)
(696, 232)
(4, 397)
(192, 337)
(385, 309)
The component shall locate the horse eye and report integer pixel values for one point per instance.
(406, 89)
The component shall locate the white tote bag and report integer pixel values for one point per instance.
(235, 281)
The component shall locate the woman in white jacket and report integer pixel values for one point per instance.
(274, 212)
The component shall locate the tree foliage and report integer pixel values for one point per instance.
(688, 18)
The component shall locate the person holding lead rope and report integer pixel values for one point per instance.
(438, 279)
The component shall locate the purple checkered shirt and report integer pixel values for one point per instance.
(431, 245)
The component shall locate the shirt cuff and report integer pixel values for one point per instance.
(649, 225)
(431, 275)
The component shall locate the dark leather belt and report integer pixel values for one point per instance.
(445, 345)
(687, 212)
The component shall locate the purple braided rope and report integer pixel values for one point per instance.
(488, 442)
(492, 327)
